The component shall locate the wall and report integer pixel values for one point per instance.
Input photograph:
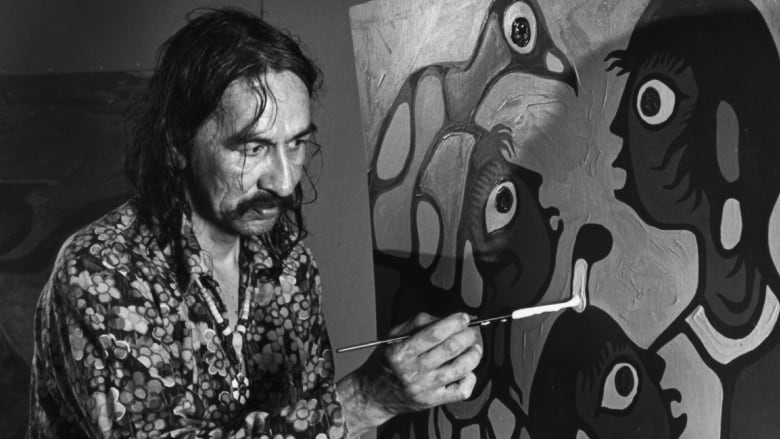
(53, 38)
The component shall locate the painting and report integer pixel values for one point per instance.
(61, 141)
(522, 145)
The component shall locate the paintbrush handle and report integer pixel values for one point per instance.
(372, 344)
(482, 322)
(578, 301)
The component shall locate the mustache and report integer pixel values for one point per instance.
(266, 200)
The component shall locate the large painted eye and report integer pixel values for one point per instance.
(655, 102)
(501, 206)
(520, 27)
(620, 387)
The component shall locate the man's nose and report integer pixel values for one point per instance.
(283, 173)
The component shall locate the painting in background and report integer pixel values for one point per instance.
(520, 145)
(61, 142)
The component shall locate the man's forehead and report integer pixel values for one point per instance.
(244, 97)
(255, 101)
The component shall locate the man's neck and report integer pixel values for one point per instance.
(223, 247)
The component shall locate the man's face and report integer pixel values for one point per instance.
(244, 167)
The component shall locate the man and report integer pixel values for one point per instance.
(194, 309)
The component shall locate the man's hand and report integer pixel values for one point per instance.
(432, 367)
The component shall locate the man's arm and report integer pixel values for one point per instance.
(432, 367)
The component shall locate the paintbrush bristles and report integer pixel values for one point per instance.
(579, 285)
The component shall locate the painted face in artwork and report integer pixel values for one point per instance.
(246, 168)
(509, 232)
(697, 138)
(593, 382)
(698, 144)
(654, 120)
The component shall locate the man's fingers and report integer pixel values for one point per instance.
(405, 358)
(420, 320)
(434, 387)
(434, 365)
(458, 391)
(459, 368)
(450, 348)
(435, 333)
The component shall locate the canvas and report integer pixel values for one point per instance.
(514, 147)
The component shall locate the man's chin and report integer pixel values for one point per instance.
(255, 227)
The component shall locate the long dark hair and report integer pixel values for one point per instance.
(194, 67)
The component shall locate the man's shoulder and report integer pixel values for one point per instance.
(301, 248)
(299, 258)
(108, 240)
(300, 263)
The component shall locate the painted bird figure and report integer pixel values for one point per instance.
(458, 225)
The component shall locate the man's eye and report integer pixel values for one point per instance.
(254, 148)
(301, 143)
(303, 146)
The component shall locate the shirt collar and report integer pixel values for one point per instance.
(197, 263)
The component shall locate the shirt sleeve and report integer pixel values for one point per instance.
(91, 380)
(315, 380)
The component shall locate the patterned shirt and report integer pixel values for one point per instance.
(125, 348)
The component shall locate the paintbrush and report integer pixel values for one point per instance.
(577, 302)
